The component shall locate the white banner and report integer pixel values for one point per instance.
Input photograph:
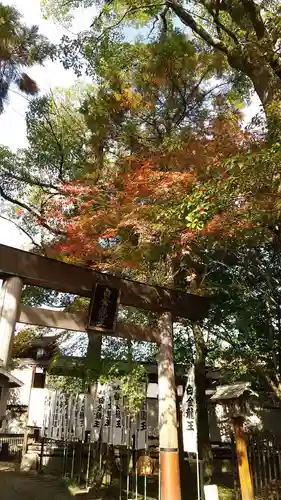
(36, 410)
(102, 415)
(58, 416)
(107, 416)
(189, 427)
(98, 412)
(141, 434)
(118, 415)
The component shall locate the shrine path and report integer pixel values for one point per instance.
(16, 486)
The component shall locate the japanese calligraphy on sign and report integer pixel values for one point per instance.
(142, 428)
(189, 414)
(103, 308)
(98, 413)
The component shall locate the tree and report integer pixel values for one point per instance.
(61, 11)
(247, 273)
(136, 111)
(20, 47)
(32, 177)
(151, 207)
(244, 33)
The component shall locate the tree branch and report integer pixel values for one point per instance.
(49, 122)
(21, 229)
(256, 19)
(219, 24)
(153, 27)
(32, 211)
(60, 176)
(186, 99)
(164, 20)
(129, 11)
(189, 21)
(203, 96)
(107, 3)
(33, 182)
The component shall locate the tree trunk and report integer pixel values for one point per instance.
(266, 83)
(255, 61)
(268, 87)
(204, 445)
(93, 361)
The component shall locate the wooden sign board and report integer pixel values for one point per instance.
(103, 308)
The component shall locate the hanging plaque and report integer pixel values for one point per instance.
(103, 308)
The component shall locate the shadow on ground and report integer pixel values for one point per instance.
(23, 486)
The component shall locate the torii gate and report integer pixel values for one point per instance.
(18, 268)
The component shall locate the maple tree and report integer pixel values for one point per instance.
(163, 200)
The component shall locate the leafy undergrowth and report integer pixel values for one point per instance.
(226, 493)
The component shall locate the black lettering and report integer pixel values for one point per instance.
(190, 426)
(190, 401)
(189, 413)
(189, 390)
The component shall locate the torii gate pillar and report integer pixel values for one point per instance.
(9, 311)
(168, 432)
(10, 295)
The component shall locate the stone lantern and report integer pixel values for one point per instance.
(235, 398)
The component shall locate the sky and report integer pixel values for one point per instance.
(49, 76)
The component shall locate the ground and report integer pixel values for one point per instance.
(17, 486)
(32, 486)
